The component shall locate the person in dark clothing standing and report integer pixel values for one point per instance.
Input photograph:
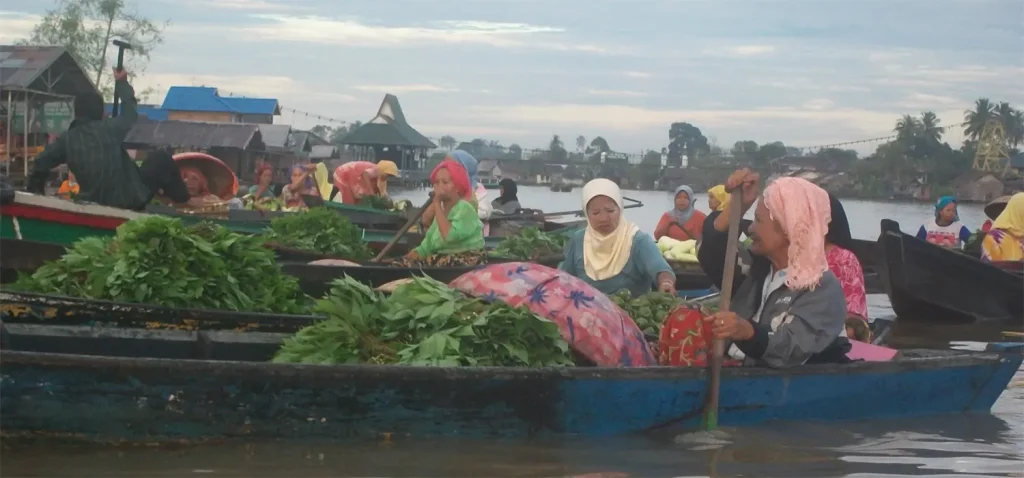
(93, 150)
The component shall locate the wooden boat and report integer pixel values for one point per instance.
(929, 283)
(104, 384)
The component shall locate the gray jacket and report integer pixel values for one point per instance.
(795, 327)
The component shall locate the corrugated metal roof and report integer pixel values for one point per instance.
(21, 65)
(275, 135)
(205, 98)
(196, 135)
(22, 68)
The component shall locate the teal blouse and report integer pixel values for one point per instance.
(640, 275)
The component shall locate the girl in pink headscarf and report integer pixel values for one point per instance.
(788, 309)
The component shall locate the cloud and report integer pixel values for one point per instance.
(399, 89)
(16, 26)
(749, 50)
(637, 74)
(618, 93)
(256, 86)
(351, 33)
(924, 101)
(241, 5)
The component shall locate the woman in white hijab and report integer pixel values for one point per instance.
(612, 253)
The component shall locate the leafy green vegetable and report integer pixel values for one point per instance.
(423, 323)
(319, 230)
(648, 311)
(531, 244)
(158, 260)
(375, 202)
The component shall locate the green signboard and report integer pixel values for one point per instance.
(43, 117)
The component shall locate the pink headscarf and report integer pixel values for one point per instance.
(803, 211)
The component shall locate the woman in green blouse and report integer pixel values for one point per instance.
(456, 228)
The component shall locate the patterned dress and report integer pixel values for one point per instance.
(845, 265)
(1001, 246)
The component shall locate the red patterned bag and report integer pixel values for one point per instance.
(588, 320)
(686, 340)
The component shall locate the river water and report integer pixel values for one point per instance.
(948, 446)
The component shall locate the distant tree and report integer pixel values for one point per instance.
(515, 151)
(600, 145)
(771, 151)
(978, 117)
(322, 131)
(581, 143)
(744, 148)
(556, 149)
(87, 27)
(1013, 123)
(794, 151)
(651, 158)
(685, 138)
(447, 141)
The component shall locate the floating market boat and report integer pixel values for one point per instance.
(50, 219)
(929, 283)
(105, 384)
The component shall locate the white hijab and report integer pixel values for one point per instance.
(604, 256)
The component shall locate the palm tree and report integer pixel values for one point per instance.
(556, 144)
(976, 118)
(581, 143)
(907, 127)
(930, 129)
(446, 141)
(1012, 123)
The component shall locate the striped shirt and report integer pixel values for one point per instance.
(93, 151)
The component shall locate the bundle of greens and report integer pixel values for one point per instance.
(158, 260)
(375, 202)
(423, 323)
(648, 311)
(319, 230)
(531, 244)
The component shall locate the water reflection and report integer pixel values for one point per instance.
(962, 445)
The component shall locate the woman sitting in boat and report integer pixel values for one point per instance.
(684, 222)
(301, 184)
(844, 263)
(788, 309)
(261, 195)
(198, 185)
(508, 202)
(612, 253)
(69, 188)
(945, 230)
(1005, 240)
(478, 192)
(456, 236)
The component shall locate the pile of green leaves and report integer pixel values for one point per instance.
(423, 323)
(648, 311)
(158, 260)
(531, 244)
(319, 230)
(375, 202)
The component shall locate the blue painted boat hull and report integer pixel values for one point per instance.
(110, 399)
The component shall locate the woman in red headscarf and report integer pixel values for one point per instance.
(457, 228)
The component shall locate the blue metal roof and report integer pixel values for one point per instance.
(204, 98)
(152, 112)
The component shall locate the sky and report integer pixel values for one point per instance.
(805, 72)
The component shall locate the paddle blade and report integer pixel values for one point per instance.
(710, 421)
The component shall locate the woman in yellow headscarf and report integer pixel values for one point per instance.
(718, 198)
(1005, 241)
(385, 170)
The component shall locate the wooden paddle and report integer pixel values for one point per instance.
(731, 250)
(405, 228)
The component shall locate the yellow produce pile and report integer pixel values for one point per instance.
(678, 251)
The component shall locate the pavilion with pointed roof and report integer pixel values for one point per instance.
(389, 136)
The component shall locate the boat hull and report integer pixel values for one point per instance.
(108, 399)
(926, 283)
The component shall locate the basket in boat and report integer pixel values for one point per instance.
(219, 177)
